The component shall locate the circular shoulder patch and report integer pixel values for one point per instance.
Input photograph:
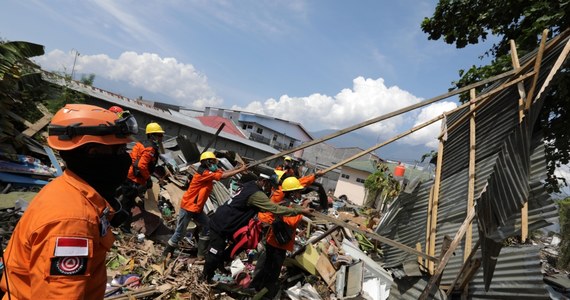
(68, 265)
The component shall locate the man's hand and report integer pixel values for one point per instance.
(319, 173)
(307, 211)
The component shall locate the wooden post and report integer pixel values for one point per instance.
(428, 224)
(522, 94)
(464, 266)
(471, 183)
(420, 259)
(537, 64)
(456, 240)
(435, 203)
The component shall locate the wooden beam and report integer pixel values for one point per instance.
(372, 235)
(537, 64)
(471, 182)
(435, 204)
(443, 263)
(428, 225)
(419, 248)
(471, 270)
(384, 117)
(559, 61)
(522, 94)
(486, 97)
(464, 266)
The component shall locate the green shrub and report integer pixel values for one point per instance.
(564, 211)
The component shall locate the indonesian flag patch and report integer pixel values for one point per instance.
(71, 246)
(70, 256)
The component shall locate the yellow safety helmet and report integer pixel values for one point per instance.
(208, 155)
(287, 158)
(291, 184)
(279, 174)
(153, 128)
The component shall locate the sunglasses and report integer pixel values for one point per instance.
(122, 127)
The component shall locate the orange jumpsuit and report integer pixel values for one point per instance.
(278, 195)
(292, 221)
(58, 248)
(144, 157)
(199, 190)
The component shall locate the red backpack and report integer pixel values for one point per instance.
(247, 237)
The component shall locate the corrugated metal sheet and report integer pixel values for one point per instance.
(517, 276)
(509, 168)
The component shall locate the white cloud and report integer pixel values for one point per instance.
(368, 98)
(148, 71)
(428, 135)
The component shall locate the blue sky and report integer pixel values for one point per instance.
(324, 64)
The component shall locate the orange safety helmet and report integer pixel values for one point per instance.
(116, 109)
(77, 124)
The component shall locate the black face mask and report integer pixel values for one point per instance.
(105, 173)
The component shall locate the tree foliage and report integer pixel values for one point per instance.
(464, 22)
(382, 187)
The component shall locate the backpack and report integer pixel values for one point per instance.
(282, 231)
(247, 237)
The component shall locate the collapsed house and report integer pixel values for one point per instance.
(440, 238)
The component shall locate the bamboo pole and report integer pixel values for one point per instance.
(435, 204)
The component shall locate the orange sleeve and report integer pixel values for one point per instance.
(145, 161)
(307, 180)
(277, 196)
(43, 284)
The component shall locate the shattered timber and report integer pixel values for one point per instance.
(446, 237)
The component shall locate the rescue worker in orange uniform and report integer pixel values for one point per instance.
(194, 199)
(58, 248)
(277, 194)
(144, 157)
(267, 272)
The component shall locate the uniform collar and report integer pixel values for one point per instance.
(85, 189)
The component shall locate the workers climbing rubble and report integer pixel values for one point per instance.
(279, 239)
(235, 214)
(144, 158)
(59, 246)
(194, 199)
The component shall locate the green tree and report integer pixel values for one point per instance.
(470, 21)
(382, 188)
(564, 211)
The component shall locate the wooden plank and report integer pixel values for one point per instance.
(537, 65)
(384, 117)
(559, 61)
(326, 269)
(471, 270)
(372, 235)
(428, 224)
(419, 248)
(456, 240)
(522, 94)
(471, 182)
(464, 266)
(435, 204)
